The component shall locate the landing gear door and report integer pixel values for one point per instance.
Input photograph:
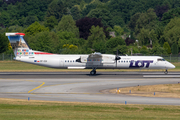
(61, 62)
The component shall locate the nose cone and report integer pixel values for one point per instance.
(170, 66)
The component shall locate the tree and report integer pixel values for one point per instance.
(56, 8)
(116, 20)
(118, 30)
(133, 22)
(51, 22)
(76, 12)
(44, 41)
(66, 37)
(179, 44)
(88, 8)
(85, 24)
(1, 2)
(71, 47)
(129, 41)
(114, 42)
(71, 3)
(146, 20)
(30, 19)
(175, 49)
(35, 28)
(122, 49)
(171, 31)
(144, 50)
(160, 10)
(157, 50)
(104, 14)
(68, 24)
(167, 16)
(99, 47)
(97, 35)
(147, 37)
(122, 6)
(5, 18)
(4, 42)
(167, 47)
(143, 36)
(15, 28)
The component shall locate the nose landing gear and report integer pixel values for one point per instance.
(93, 72)
(166, 72)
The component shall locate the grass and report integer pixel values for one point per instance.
(12, 66)
(14, 109)
(163, 90)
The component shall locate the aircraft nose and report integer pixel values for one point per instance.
(170, 66)
(173, 66)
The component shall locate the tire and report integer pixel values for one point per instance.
(166, 72)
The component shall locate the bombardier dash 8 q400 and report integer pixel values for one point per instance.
(92, 61)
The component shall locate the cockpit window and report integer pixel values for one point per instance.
(161, 60)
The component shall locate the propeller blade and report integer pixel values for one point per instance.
(117, 57)
(117, 52)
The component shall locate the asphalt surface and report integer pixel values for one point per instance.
(82, 87)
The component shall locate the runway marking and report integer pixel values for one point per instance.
(45, 93)
(13, 92)
(91, 82)
(63, 84)
(27, 81)
(36, 87)
(161, 76)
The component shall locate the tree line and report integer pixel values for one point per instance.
(83, 26)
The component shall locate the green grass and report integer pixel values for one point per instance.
(6, 66)
(18, 110)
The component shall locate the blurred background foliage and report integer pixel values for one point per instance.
(86, 26)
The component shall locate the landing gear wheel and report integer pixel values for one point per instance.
(93, 72)
(166, 72)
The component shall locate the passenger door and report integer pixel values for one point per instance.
(61, 62)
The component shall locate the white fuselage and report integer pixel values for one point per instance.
(106, 61)
(92, 61)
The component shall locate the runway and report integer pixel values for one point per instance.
(82, 87)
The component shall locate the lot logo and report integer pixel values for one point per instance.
(140, 63)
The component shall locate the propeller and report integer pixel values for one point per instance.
(117, 57)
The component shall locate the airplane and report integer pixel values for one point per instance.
(92, 61)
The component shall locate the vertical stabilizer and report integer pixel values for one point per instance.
(19, 45)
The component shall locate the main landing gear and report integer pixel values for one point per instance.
(166, 72)
(93, 72)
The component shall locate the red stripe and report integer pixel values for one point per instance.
(20, 34)
(42, 53)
